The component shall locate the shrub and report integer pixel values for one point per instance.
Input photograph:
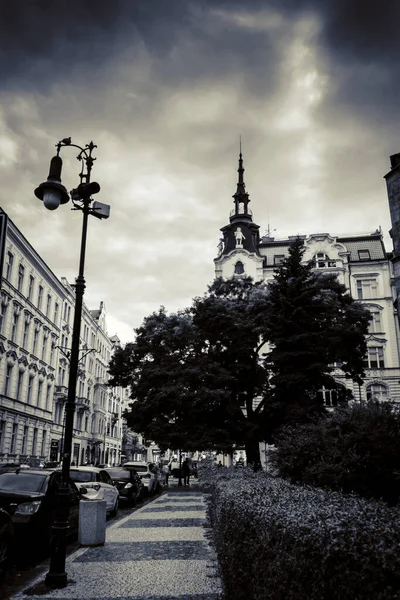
(275, 540)
(356, 449)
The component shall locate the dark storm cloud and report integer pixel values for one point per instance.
(165, 87)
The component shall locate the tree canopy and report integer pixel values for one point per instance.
(313, 326)
(243, 360)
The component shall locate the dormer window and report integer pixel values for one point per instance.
(239, 268)
(364, 255)
(278, 259)
(322, 261)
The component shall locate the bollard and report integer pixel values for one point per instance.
(92, 522)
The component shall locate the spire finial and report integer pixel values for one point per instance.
(240, 169)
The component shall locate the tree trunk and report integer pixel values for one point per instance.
(253, 454)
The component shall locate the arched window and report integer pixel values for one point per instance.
(239, 268)
(377, 391)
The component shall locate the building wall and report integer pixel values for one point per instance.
(36, 322)
(363, 266)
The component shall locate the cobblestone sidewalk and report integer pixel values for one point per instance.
(159, 552)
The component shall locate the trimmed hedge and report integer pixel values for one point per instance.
(275, 540)
(353, 450)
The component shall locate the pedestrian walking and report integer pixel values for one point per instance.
(186, 472)
(165, 473)
(154, 478)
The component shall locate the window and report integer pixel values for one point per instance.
(56, 307)
(278, 259)
(40, 297)
(31, 285)
(322, 261)
(48, 393)
(364, 255)
(19, 384)
(61, 375)
(239, 268)
(367, 289)
(25, 439)
(2, 433)
(374, 358)
(25, 336)
(14, 327)
(377, 391)
(3, 310)
(39, 392)
(9, 264)
(65, 311)
(21, 273)
(8, 379)
(14, 438)
(44, 347)
(375, 325)
(35, 340)
(51, 353)
(30, 386)
(48, 305)
(34, 441)
(43, 448)
(329, 397)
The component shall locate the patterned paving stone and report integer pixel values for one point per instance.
(196, 522)
(173, 508)
(155, 534)
(128, 551)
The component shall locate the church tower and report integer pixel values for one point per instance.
(239, 247)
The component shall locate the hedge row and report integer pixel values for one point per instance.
(276, 540)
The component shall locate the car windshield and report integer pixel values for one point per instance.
(118, 473)
(23, 482)
(82, 476)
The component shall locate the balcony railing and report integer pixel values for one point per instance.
(60, 391)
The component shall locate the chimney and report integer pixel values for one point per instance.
(395, 160)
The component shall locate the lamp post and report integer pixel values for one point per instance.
(53, 193)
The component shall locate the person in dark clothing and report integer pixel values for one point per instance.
(186, 471)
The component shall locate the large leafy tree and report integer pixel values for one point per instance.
(191, 374)
(312, 323)
(178, 393)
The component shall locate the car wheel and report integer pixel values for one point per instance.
(114, 511)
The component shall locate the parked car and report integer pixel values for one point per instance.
(6, 538)
(12, 467)
(98, 484)
(143, 470)
(129, 484)
(29, 496)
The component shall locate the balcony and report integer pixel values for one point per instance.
(83, 403)
(60, 392)
(100, 381)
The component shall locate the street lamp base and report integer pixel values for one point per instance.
(56, 580)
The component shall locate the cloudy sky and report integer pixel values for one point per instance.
(165, 88)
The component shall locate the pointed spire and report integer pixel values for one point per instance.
(240, 170)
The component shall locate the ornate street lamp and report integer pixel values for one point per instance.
(53, 193)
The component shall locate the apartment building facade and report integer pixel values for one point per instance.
(360, 262)
(36, 318)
